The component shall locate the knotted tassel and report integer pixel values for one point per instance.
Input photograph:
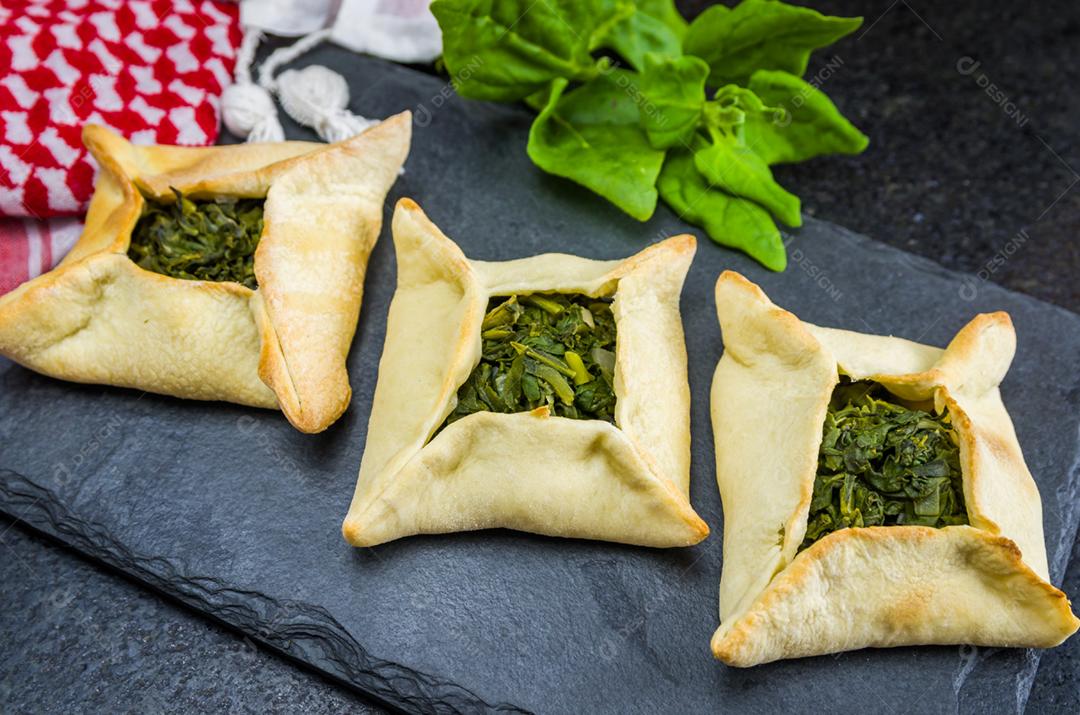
(317, 97)
(314, 96)
(248, 109)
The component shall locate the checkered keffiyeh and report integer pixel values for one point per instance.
(153, 70)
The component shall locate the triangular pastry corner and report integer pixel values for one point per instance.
(100, 318)
(529, 470)
(981, 580)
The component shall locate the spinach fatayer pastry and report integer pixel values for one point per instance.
(547, 394)
(222, 273)
(910, 446)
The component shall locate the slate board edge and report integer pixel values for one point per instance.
(308, 633)
(296, 630)
(1059, 561)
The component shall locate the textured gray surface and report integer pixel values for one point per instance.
(83, 640)
(1057, 684)
(247, 511)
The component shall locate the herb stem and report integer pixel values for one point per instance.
(544, 303)
(545, 359)
(581, 373)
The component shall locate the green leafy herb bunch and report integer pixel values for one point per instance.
(636, 104)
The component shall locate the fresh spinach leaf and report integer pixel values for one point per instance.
(761, 34)
(734, 167)
(609, 128)
(809, 124)
(592, 135)
(674, 90)
(642, 32)
(666, 12)
(213, 240)
(730, 221)
(505, 50)
(882, 463)
(552, 349)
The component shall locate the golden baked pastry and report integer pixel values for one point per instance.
(624, 480)
(927, 525)
(99, 317)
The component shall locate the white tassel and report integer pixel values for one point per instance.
(249, 112)
(317, 97)
(314, 96)
(248, 109)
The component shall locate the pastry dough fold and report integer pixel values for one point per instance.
(100, 318)
(527, 471)
(984, 584)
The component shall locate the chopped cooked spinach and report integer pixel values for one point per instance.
(211, 240)
(544, 349)
(882, 463)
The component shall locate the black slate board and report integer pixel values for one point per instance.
(234, 513)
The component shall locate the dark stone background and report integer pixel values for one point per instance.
(948, 175)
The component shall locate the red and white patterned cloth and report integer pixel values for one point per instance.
(30, 247)
(153, 70)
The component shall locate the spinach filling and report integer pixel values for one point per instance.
(211, 240)
(882, 463)
(548, 349)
